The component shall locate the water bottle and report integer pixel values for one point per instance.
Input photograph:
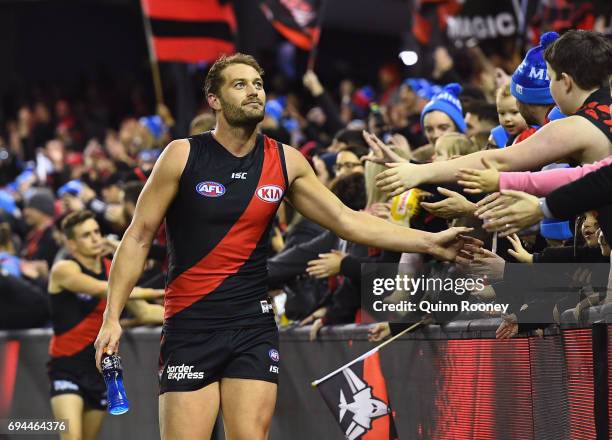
(113, 376)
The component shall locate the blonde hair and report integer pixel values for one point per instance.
(503, 92)
(456, 144)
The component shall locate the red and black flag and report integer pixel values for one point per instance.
(429, 20)
(357, 396)
(190, 31)
(297, 20)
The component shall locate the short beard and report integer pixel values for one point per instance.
(237, 117)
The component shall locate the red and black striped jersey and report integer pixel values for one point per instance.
(76, 318)
(596, 109)
(218, 230)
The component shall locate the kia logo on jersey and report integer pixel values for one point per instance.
(210, 189)
(270, 193)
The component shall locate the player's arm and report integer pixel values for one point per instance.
(67, 275)
(156, 196)
(558, 140)
(146, 313)
(311, 198)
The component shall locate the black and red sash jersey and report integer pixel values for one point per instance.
(76, 318)
(596, 109)
(218, 231)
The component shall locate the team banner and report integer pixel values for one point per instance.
(357, 396)
(190, 31)
(486, 20)
(296, 20)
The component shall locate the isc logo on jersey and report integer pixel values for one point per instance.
(270, 193)
(210, 189)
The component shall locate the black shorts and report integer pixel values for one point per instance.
(189, 361)
(90, 386)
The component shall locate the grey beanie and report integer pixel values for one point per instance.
(42, 199)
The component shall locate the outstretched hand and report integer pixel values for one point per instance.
(452, 245)
(400, 177)
(518, 251)
(479, 181)
(454, 206)
(381, 152)
(509, 212)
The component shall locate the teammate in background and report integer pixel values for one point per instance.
(77, 287)
(219, 192)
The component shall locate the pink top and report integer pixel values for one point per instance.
(543, 182)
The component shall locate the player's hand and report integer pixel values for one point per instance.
(454, 206)
(380, 152)
(509, 212)
(327, 265)
(378, 332)
(519, 252)
(479, 181)
(107, 340)
(450, 245)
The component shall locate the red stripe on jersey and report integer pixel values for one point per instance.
(107, 262)
(80, 336)
(235, 248)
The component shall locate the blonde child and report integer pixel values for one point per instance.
(510, 119)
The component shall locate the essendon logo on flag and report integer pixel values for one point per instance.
(358, 398)
(296, 20)
(190, 30)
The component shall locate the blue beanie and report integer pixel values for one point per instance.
(155, 125)
(555, 230)
(72, 187)
(530, 82)
(274, 109)
(447, 101)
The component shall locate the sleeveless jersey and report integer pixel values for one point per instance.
(218, 232)
(76, 318)
(596, 109)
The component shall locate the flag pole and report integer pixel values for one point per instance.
(315, 45)
(157, 84)
(425, 321)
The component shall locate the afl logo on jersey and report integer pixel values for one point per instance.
(270, 193)
(210, 189)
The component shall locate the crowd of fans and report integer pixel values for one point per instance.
(365, 142)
